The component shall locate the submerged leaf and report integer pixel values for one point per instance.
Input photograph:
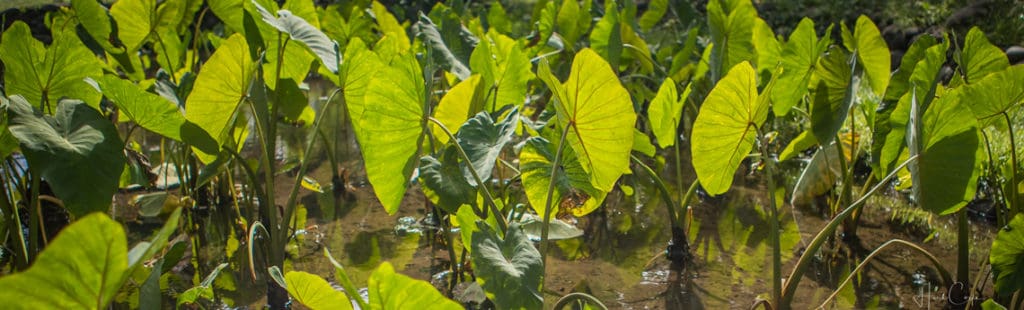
(511, 268)
(77, 151)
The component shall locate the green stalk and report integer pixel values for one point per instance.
(1014, 195)
(773, 234)
(33, 217)
(963, 249)
(9, 208)
(289, 207)
(481, 185)
(935, 261)
(673, 218)
(551, 194)
(683, 200)
(793, 280)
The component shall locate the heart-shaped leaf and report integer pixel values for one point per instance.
(137, 20)
(946, 172)
(83, 268)
(77, 151)
(390, 290)
(458, 104)
(834, 94)
(732, 32)
(872, 54)
(1007, 257)
(510, 269)
(219, 89)
(483, 139)
(302, 31)
(450, 42)
(314, 292)
(799, 55)
(599, 114)
(726, 128)
(44, 75)
(995, 94)
(665, 112)
(392, 129)
(505, 70)
(445, 178)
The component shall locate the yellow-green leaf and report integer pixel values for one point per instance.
(221, 86)
(726, 128)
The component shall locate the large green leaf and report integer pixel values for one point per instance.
(483, 139)
(457, 105)
(505, 70)
(726, 128)
(571, 181)
(655, 11)
(82, 268)
(356, 73)
(665, 112)
(945, 174)
(149, 110)
(302, 31)
(44, 75)
(447, 43)
(230, 12)
(390, 290)
(599, 114)
(900, 82)
(769, 51)
(314, 292)
(1007, 257)
(996, 93)
(872, 54)
(732, 32)
(979, 57)
(94, 17)
(77, 151)
(834, 94)
(220, 88)
(511, 268)
(799, 55)
(573, 21)
(392, 128)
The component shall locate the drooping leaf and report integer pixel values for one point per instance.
(599, 114)
(483, 139)
(946, 171)
(392, 129)
(314, 292)
(557, 229)
(219, 89)
(726, 128)
(390, 290)
(83, 268)
(799, 55)
(996, 93)
(666, 111)
(606, 38)
(302, 31)
(505, 70)
(77, 151)
(511, 268)
(571, 182)
(432, 36)
(44, 75)
(834, 94)
(980, 58)
(96, 21)
(818, 177)
(149, 110)
(872, 54)
(444, 177)
(204, 290)
(1007, 257)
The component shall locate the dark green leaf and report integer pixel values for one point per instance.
(510, 269)
(1007, 257)
(441, 45)
(483, 140)
(445, 178)
(834, 94)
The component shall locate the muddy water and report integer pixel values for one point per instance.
(619, 259)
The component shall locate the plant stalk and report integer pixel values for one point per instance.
(1014, 195)
(963, 248)
(773, 234)
(551, 193)
(502, 224)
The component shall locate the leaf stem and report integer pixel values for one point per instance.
(1014, 195)
(480, 183)
(551, 193)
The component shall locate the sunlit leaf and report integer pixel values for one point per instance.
(314, 292)
(94, 17)
(995, 94)
(732, 31)
(511, 268)
(946, 172)
(872, 54)
(392, 128)
(726, 128)
(149, 110)
(666, 111)
(461, 101)
(83, 268)
(302, 31)
(505, 70)
(137, 20)
(222, 85)
(390, 290)
(44, 75)
(599, 114)
(77, 151)
(980, 58)
(571, 182)
(799, 55)
(655, 11)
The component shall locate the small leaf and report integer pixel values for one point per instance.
(872, 54)
(802, 142)
(300, 30)
(394, 291)
(510, 269)
(149, 110)
(726, 128)
(557, 229)
(642, 143)
(818, 177)
(665, 112)
(83, 268)
(655, 11)
(314, 292)
(1007, 257)
(77, 151)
